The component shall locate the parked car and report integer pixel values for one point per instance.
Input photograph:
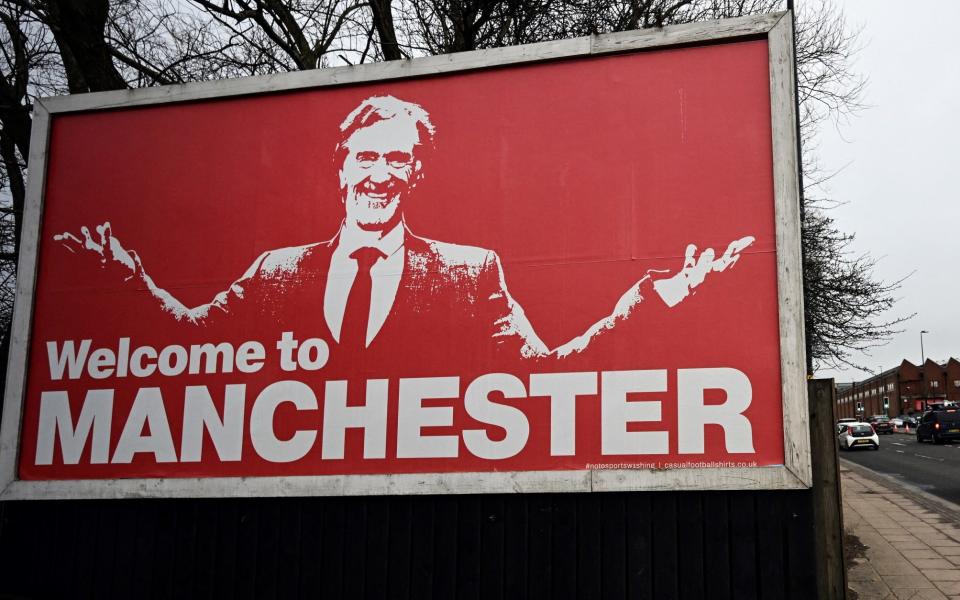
(939, 426)
(905, 420)
(857, 435)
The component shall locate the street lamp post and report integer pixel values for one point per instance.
(923, 358)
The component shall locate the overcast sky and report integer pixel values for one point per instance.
(899, 160)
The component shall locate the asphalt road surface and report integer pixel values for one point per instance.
(934, 469)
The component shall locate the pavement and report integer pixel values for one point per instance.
(901, 542)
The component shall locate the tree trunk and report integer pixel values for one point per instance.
(78, 27)
(383, 21)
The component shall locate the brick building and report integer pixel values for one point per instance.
(904, 389)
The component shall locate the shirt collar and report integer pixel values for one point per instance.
(353, 238)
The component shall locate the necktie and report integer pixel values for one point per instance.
(353, 330)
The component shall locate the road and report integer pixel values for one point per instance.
(934, 469)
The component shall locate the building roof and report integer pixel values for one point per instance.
(875, 378)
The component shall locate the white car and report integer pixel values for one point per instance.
(857, 435)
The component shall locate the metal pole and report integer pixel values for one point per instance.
(923, 358)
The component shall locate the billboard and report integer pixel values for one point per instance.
(571, 266)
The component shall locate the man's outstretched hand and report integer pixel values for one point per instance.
(673, 289)
(112, 255)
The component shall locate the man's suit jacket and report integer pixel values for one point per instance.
(451, 301)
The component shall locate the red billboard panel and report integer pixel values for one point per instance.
(559, 267)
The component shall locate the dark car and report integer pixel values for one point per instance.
(882, 425)
(939, 426)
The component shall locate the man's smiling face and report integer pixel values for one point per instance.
(378, 170)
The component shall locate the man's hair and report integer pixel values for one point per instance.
(383, 108)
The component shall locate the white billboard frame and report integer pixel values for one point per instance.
(795, 473)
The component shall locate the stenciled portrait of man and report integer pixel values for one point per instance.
(376, 272)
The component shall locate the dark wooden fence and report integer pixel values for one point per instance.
(611, 545)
